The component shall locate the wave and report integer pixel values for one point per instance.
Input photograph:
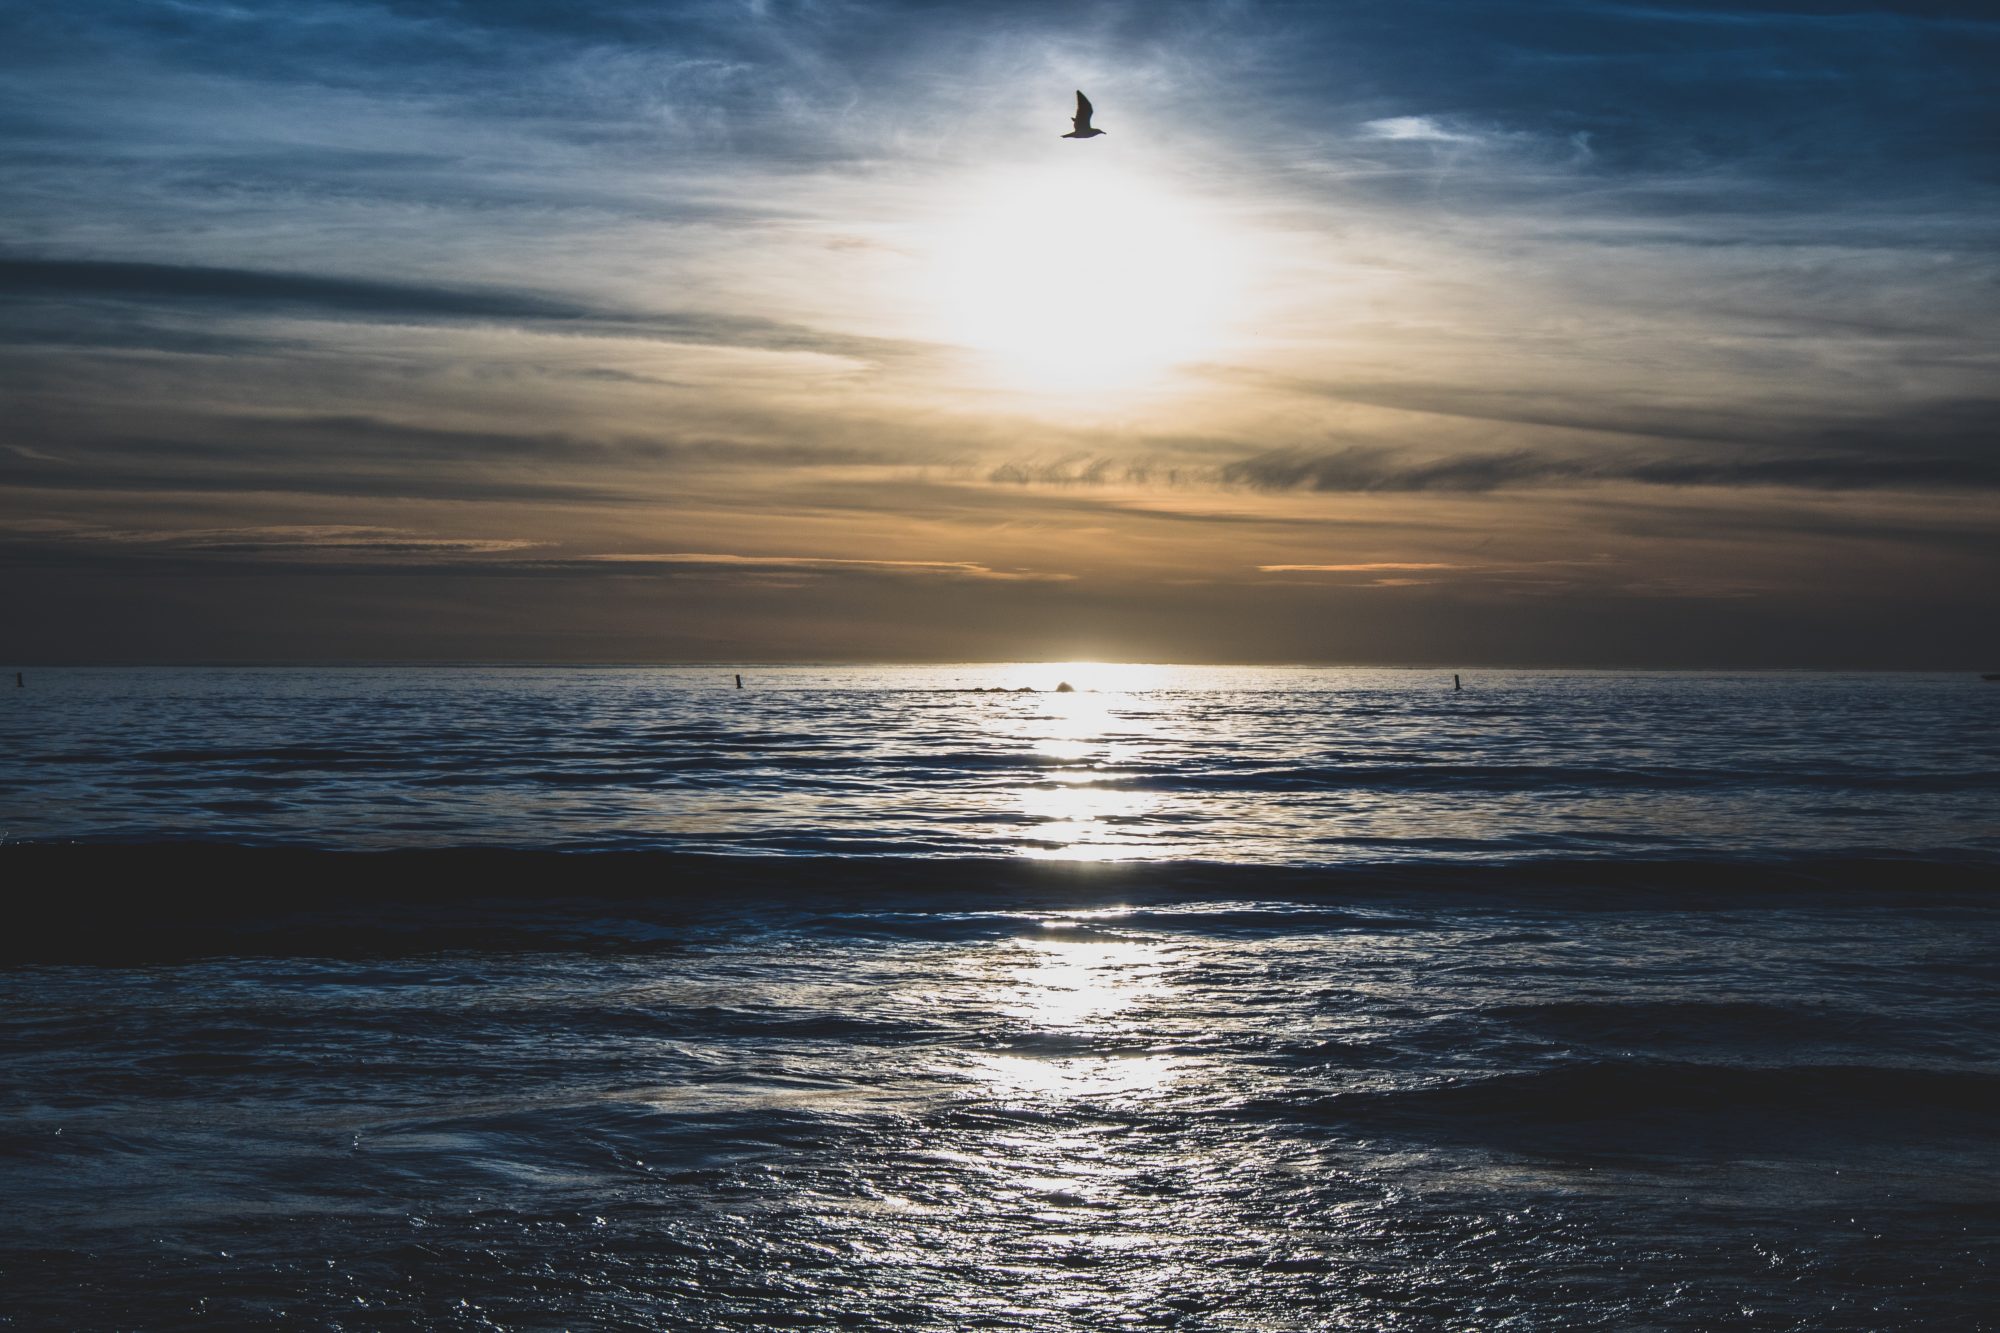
(1633, 1097)
(1540, 777)
(622, 760)
(114, 899)
(1697, 1022)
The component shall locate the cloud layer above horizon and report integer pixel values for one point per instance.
(1509, 332)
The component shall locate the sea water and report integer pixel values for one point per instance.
(1193, 999)
(1279, 766)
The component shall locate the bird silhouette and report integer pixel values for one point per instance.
(1082, 119)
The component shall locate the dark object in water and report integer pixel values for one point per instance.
(1065, 688)
(19, 683)
(739, 682)
(1990, 675)
(1454, 681)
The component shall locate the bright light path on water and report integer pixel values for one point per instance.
(1090, 731)
(1073, 977)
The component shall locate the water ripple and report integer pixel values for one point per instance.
(1153, 763)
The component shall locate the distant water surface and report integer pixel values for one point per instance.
(1292, 766)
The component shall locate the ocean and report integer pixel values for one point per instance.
(1189, 998)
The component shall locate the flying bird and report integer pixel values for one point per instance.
(1082, 119)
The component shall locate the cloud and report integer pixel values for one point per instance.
(958, 569)
(359, 454)
(1368, 567)
(1419, 129)
(333, 541)
(1940, 462)
(1367, 468)
(348, 544)
(325, 538)
(251, 291)
(229, 286)
(1363, 468)
(1089, 470)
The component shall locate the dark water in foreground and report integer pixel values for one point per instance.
(1597, 1031)
(1220, 1099)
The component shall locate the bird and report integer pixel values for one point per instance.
(1082, 119)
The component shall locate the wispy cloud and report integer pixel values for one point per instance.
(952, 569)
(168, 286)
(338, 541)
(1360, 468)
(1417, 129)
(326, 538)
(1369, 567)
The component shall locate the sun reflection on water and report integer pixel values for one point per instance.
(1100, 726)
(1097, 1076)
(1063, 989)
(1062, 982)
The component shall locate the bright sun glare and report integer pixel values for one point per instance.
(1080, 276)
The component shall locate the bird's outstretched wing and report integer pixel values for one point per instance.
(1082, 117)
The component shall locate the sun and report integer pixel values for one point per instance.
(1079, 276)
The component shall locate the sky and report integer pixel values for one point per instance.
(1428, 332)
